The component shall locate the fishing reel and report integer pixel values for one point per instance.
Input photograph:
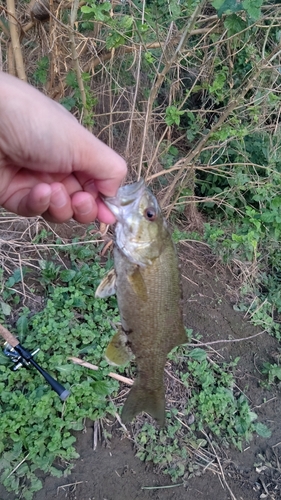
(21, 357)
(18, 360)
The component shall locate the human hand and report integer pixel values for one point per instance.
(49, 164)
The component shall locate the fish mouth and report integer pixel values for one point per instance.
(126, 195)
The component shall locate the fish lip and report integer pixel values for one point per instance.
(126, 195)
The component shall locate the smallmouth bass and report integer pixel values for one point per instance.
(147, 283)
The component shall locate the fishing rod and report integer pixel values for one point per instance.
(22, 357)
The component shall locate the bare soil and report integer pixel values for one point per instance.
(112, 472)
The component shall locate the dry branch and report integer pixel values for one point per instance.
(161, 75)
(116, 376)
(75, 58)
(11, 60)
(28, 26)
(13, 24)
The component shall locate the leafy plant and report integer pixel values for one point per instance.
(272, 371)
(75, 99)
(40, 75)
(213, 407)
(72, 323)
(173, 115)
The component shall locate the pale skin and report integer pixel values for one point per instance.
(49, 164)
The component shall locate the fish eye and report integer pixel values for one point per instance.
(150, 214)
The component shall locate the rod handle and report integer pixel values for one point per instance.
(11, 339)
(56, 386)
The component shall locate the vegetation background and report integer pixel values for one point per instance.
(189, 92)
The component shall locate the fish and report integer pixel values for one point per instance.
(146, 280)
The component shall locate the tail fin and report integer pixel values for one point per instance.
(143, 399)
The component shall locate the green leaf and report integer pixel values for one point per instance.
(6, 309)
(67, 275)
(114, 40)
(68, 103)
(17, 275)
(262, 430)
(36, 484)
(71, 79)
(198, 354)
(23, 470)
(10, 282)
(126, 22)
(227, 6)
(253, 8)
(4, 463)
(253, 416)
(217, 3)
(173, 115)
(234, 24)
(67, 369)
(22, 325)
(87, 10)
(27, 495)
(78, 426)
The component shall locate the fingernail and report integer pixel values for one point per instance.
(58, 198)
(91, 188)
(45, 199)
(84, 208)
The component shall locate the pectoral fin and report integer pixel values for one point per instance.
(107, 286)
(118, 352)
(137, 283)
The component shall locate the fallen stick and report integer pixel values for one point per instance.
(120, 378)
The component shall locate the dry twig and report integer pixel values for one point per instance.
(13, 24)
(75, 59)
(116, 376)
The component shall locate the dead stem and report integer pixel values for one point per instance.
(116, 376)
(226, 340)
(13, 25)
(75, 59)
(220, 467)
(170, 61)
(162, 487)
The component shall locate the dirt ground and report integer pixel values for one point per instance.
(114, 473)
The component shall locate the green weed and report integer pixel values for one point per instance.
(74, 99)
(272, 371)
(213, 407)
(40, 75)
(72, 323)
